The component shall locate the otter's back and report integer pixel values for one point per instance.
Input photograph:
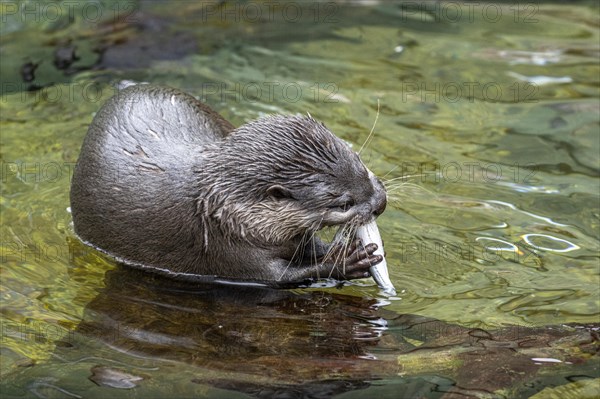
(131, 185)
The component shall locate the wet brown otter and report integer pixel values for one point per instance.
(165, 183)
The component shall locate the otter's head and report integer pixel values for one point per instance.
(281, 177)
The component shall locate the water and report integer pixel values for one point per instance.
(488, 137)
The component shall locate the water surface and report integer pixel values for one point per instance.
(487, 134)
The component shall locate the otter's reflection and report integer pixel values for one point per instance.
(288, 335)
(302, 344)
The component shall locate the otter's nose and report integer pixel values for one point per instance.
(379, 205)
(379, 199)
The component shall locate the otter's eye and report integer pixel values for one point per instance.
(279, 192)
(348, 204)
(344, 206)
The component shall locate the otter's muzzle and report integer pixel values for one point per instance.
(379, 200)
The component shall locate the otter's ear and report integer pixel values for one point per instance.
(279, 192)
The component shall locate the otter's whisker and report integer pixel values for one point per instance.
(350, 232)
(300, 248)
(344, 247)
(351, 235)
(387, 181)
(391, 170)
(372, 130)
(314, 250)
(284, 271)
(331, 251)
(403, 188)
(395, 185)
(342, 239)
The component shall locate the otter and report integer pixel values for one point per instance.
(166, 184)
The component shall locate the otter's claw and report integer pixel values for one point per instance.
(355, 261)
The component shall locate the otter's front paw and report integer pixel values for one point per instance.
(353, 261)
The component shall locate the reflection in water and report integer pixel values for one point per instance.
(220, 325)
(145, 332)
(508, 245)
(287, 337)
(568, 246)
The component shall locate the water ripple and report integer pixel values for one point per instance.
(570, 245)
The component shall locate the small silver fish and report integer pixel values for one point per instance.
(369, 233)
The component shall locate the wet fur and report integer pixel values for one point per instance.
(165, 183)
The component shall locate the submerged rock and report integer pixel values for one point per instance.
(114, 378)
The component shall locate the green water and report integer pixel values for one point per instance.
(487, 134)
